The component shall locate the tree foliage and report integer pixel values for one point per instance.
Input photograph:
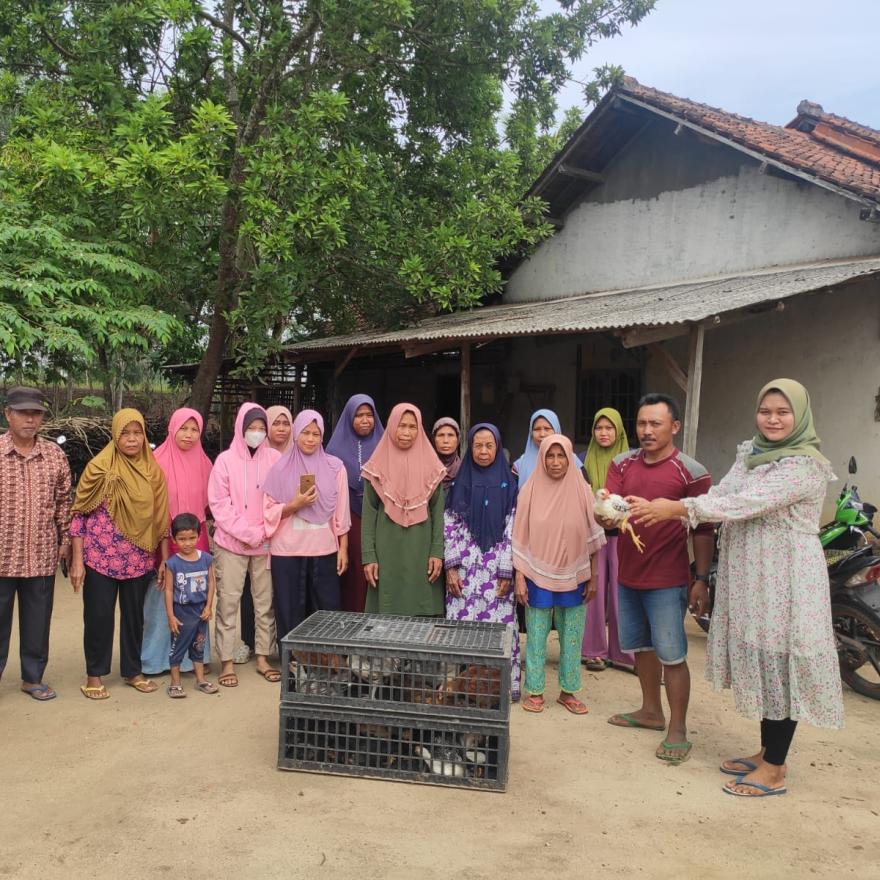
(284, 167)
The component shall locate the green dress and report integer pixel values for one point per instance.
(402, 555)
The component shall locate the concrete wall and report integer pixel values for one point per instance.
(674, 208)
(828, 341)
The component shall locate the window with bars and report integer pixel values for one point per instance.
(620, 389)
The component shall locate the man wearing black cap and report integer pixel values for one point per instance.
(34, 522)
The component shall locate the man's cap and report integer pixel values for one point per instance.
(25, 398)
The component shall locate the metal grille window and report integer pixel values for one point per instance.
(620, 389)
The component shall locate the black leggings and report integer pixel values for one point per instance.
(776, 737)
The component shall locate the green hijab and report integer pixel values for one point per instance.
(598, 459)
(801, 441)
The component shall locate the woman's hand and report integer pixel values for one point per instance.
(77, 572)
(300, 500)
(341, 560)
(503, 587)
(453, 582)
(371, 573)
(698, 599)
(590, 590)
(647, 513)
(435, 567)
(160, 575)
(521, 591)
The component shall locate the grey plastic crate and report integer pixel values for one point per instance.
(402, 746)
(388, 663)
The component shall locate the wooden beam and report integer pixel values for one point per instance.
(464, 419)
(581, 173)
(340, 367)
(672, 367)
(694, 384)
(417, 349)
(637, 336)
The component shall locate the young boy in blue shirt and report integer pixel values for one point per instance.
(189, 596)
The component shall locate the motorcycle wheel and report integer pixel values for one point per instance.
(855, 624)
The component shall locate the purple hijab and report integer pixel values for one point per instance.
(354, 450)
(483, 496)
(282, 483)
(452, 460)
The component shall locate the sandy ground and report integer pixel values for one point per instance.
(140, 787)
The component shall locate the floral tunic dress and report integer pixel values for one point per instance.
(771, 638)
(479, 572)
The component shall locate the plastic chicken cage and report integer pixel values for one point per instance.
(416, 664)
(407, 698)
(410, 747)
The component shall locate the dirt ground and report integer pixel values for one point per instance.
(142, 787)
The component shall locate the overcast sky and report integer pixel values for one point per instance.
(758, 58)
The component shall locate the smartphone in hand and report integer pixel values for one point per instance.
(306, 483)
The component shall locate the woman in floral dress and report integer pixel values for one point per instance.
(771, 638)
(477, 528)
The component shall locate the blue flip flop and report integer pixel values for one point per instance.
(40, 692)
(763, 790)
(751, 765)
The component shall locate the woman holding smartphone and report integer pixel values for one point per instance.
(306, 510)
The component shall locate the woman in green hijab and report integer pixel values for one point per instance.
(601, 643)
(771, 639)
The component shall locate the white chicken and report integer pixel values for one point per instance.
(613, 508)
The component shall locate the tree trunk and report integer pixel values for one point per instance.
(212, 360)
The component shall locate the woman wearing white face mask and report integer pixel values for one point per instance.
(235, 496)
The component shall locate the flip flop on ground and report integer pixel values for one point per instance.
(594, 664)
(176, 691)
(572, 703)
(207, 687)
(749, 765)
(142, 685)
(270, 674)
(533, 703)
(94, 693)
(41, 692)
(228, 680)
(680, 752)
(761, 790)
(624, 719)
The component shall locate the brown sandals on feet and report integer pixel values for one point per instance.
(143, 686)
(270, 674)
(228, 680)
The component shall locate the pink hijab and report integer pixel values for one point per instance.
(186, 473)
(282, 483)
(554, 531)
(272, 413)
(406, 479)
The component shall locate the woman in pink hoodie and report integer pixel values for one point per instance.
(235, 496)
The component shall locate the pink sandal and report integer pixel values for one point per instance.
(533, 703)
(573, 704)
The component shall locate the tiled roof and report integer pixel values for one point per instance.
(848, 160)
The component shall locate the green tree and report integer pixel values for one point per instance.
(298, 166)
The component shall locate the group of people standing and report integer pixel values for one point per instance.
(399, 520)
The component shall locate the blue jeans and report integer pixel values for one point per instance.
(653, 620)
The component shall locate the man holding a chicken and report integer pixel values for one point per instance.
(654, 590)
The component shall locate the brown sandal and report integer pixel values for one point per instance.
(144, 686)
(272, 675)
(228, 680)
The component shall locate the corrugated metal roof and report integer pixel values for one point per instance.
(608, 310)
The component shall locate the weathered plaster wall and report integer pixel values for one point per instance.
(675, 208)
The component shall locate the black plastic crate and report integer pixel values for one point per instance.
(378, 661)
(408, 747)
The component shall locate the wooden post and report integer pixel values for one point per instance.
(465, 414)
(694, 382)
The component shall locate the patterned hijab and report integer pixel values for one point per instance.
(525, 464)
(282, 483)
(598, 459)
(451, 461)
(353, 449)
(186, 473)
(803, 440)
(404, 479)
(483, 496)
(133, 489)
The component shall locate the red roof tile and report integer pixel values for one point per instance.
(836, 150)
